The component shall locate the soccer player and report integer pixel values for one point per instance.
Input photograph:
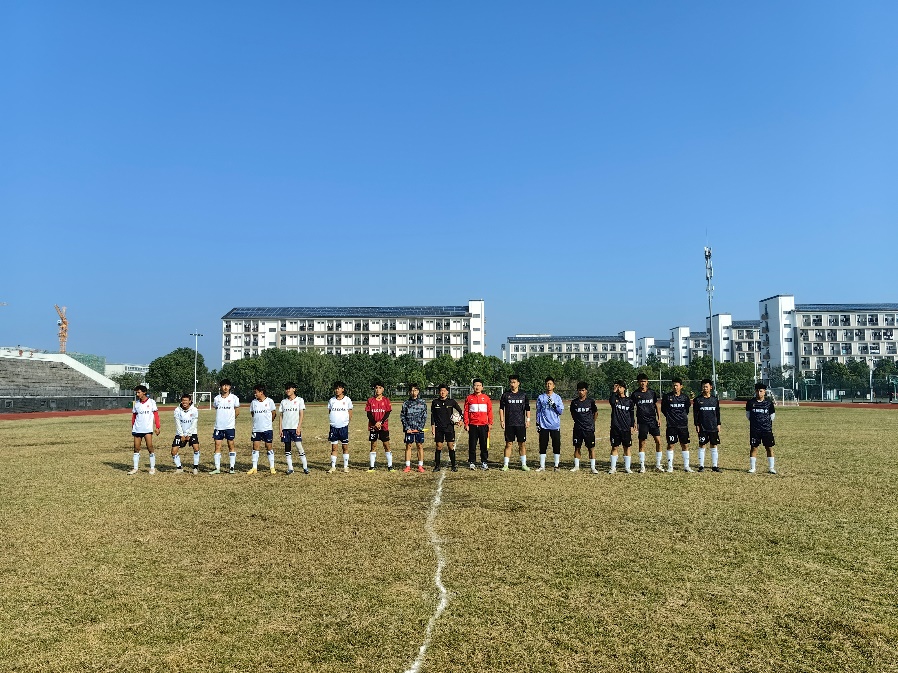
(378, 409)
(514, 416)
(227, 409)
(263, 412)
(144, 416)
(443, 426)
(648, 413)
(549, 406)
(339, 412)
(414, 419)
(186, 418)
(293, 409)
(584, 412)
(675, 407)
(623, 423)
(760, 413)
(706, 415)
(478, 417)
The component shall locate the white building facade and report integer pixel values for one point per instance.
(647, 347)
(592, 350)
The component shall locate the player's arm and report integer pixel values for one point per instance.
(658, 409)
(501, 416)
(383, 419)
(156, 421)
(633, 417)
(466, 415)
(302, 413)
(717, 411)
(526, 410)
(489, 410)
(459, 410)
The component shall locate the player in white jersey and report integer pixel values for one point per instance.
(263, 412)
(186, 417)
(292, 412)
(144, 415)
(227, 409)
(339, 413)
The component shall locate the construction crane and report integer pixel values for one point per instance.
(63, 323)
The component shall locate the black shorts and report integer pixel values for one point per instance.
(767, 439)
(624, 439)
(712, 438)
(515, 433)
(378, 435)
(264, 436)
(581, 438)
(677, 434)
(443, 435)
(193, 441)
(647, 428)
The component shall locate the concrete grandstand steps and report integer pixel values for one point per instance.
(28, 376)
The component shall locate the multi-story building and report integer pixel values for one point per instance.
(735, 340)
(592, 350)
(425, 332)
(649, 346)
(806, 335)
(119, 369)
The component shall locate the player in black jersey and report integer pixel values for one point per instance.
(648, 413)
(760, 413)
(584, 412)
(706, 413)
(443, 427)
(514, 415)
(675, 406)
(623, 423)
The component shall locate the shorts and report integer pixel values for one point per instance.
(338, 435)
(545, 436)
(193, 441)
(140, 434)
(441, 435)
(219, 435)
(516, 433)
(624, 439)
(677, 434)
(290, 436)
(767, 439)
(414, 437)
(375, 435)
(264, 436)
(647, 428)
(712, 438)
(581, 438)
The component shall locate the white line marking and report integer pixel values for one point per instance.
(437, 577)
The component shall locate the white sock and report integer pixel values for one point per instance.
(389, 455)
(505, 461)
(627, 462)
(613, 462)
(408, 463)
(701, 457)
(556, 457)
(333, 460)
(669, 458)
(657, 459)
(345, 460)
(177, 459)
(714, 453)
(152, 461)
(255, 458)
(576, 462)
(232, 459)
(289, 457)
(523, 460)
(592, 463)
(752, 462)
(217, 461)
(770, 460)
(270, 458)
(420, 463)
(642, 458)
(542, 460)
(136, 459)
(372, 458)
(196, 458)
(302, 457)
(685, 459)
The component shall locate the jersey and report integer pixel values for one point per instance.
(548, 411)
(515, 406)
(185, 421)
(622, 413)
(760, 416)
(290, 412)
(143, 418)
(225, 418)
(706, 413)
(261, 412)
(441, 413)
(646, 409)
(478, 410)
(338, 412)
(413, 414)
(676, 409)
(377, 409)
(583, 412)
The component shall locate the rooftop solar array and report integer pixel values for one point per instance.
(546, 339)
(746, 323)
(835, 308)
(662, 343)
(698, 335)
(258, 312)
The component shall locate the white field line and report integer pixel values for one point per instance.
(437, 577)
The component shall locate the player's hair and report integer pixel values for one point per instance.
(224, 382)
(620, 383)
(289, 384)
(415, 386)
(259, 387)
(339, 384)
(708, 381)
(642, 377)
(140, 388)
(514, 377)
(377, 382)
(188, 396)
(677, 379)
(549, 378)
(760, 385)
(582, 385)
(441, 386)
(480, 381)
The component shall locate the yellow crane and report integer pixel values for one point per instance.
(63, 323)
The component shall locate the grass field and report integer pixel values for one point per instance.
(546, 572)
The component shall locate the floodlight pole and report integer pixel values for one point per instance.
(196, 349)
(709, 274)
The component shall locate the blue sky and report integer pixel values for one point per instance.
(567, 162)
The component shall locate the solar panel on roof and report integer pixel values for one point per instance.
(346, 312)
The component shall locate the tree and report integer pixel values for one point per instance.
(128, 380)
(700, 368)
(357, 371)
(614, 370)
(533, 371)
(737, 377)
(315, 375)
(410, 370)
(440, 370)
(386, 370)
(243, 375)
(884, 368)
(574, 370)
(278, 368)
(173, 373)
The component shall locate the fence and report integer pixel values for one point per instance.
(24, 404)
(851, 390)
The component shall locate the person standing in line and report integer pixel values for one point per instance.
(675, 407)
(292, 409)
(414, 419)
(378, 410)
(339, 411)
(144, 417)
(186, 418)
(706, 415)
(443, 426)
(227, 409)
(514, 416)
(478, 417)
(549, 406)
(584, 412)
(623, 423)
(760, 413)
(263, 411)
(648, 413)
